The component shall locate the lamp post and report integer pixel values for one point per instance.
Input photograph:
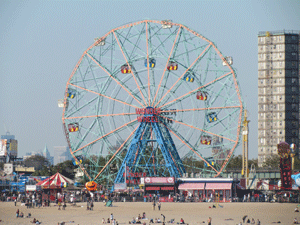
(293, 153)
(49, 187)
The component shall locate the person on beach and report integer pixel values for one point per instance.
(209, 221)
(64, 205)
(92, 205)
(253, 221)
(296, 209)
(144, 215)
(158, 205)
(181, 221)
(59, 205)
(17, 213)
(103, 221)
(257, 222)
(153, 205)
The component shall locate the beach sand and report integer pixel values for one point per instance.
(192, 213)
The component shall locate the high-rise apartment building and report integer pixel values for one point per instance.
(278, 91)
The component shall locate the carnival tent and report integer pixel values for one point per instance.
(55, 181)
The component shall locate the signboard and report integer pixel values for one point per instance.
(3, 150)
(120, 186)
(159, 180)
(32, 188)
(159, 188)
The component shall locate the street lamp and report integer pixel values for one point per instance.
(49, 187)
(293, 153)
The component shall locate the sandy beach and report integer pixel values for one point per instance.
(192, 213)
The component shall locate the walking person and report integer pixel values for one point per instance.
(209, 221)
(153, 205)
(158, 205)
(111, 217)
(92, 205)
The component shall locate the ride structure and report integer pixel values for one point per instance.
(152, 98)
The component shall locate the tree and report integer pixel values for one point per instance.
(65, 168)
(236, 162)
(254, 162)
(36, 161)
(272, 162)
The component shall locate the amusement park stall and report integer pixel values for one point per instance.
(162, 186)
(207, 189)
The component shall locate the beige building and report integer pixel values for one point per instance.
(278, 91)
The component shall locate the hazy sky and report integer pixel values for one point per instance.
(41, 42)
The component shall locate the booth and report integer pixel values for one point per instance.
(206, 189)
(160, 186)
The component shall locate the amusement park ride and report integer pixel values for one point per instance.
(161, 90)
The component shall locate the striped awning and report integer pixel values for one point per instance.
(191, 186)
(218, 186)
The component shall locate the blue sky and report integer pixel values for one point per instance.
(41, 42)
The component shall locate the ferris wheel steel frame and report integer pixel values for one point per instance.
(143, 97)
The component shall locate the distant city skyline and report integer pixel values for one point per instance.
(41, 42)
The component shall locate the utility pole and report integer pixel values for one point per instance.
(245, 133)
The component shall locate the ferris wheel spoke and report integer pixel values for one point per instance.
(165, 69)
(196, 128)
(114, 155)
(202, 54)
(109, 133)
(106, 115)
(195, 90)
(125, 103)
(138, 86)
(148, 66)
(200, 109)
(117, 81)
(182, 139)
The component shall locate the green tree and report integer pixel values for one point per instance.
(65, 168)
(236, 162)
(44, 171)
(272, 162)
(254, 162)
(36, 161)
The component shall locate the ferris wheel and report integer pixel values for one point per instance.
(152, 98)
